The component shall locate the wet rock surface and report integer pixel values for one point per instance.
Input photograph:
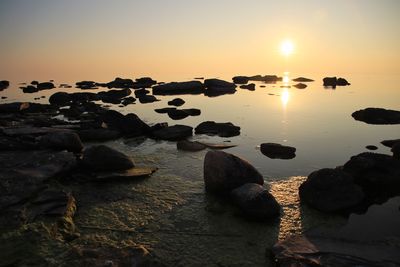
(173, 133)
(377, 116)
(277, 151)
(104, 158)
(226, 129)
(224, 172)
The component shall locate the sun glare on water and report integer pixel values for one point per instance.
(287, 48)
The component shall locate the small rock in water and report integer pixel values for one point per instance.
(302, 80)
(333, 81)
(104, 158)
(277, 151)
(256, 202)
(250, 86)
(173, 133)
(240, 79)
(4, 84)
(377, 116)
(176, 102)
(300, 86)
(62, 140)
(221, 129)
(371, 147)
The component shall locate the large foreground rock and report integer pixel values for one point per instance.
(277, 151)
(173, 133)
(331, 190)
(378, 174)
(104, 158)
(62, 140)
(226, 129)
(377, 116)
(256, 202)
(177, 88)
(24, 173)
(224, 172)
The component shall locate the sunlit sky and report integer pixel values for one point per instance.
(101, 39)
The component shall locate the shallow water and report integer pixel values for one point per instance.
(170, 213)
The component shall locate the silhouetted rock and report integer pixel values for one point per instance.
(45, 86)
(302, 80)
(226, 129)
(173, 133)
(128, 100)
(145, 82)
(240, 79)
(84, 97)
(396, 151)
(277, 151)
(130, 124)
(62, 140)
(265, 78)
(189, 146)
(377, 116)
(256, 202)
(192, 111)
(114, 94)
(334, 81)
(141, 92)
(121, 83)
(164, 110)
(177, 114)
(300, 86)
(176, 88)
(390, 143)
(30, 89)
(250, 86)
(4, 84)
(219, 86)
(331, 190)
(144, 99)
(104, 158)
(26, 107)
(86, 85)
(176, 102)
(98, 134)
(60, 99)
(371, 147)
(224, 172)
(377, 174)
(34, 82)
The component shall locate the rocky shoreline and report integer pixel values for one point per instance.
(41, 155)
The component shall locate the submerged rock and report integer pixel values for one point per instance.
(256, 202)
(221, 129)
(104, 158)
(173, 133)
(302, 80)
(377, 116)
(62, 140)
(190, 146)
(176, 88)
(277, 151)
(224, 172)
(331, 190)
(176, 102)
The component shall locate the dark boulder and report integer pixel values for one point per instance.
(186, 145)
(371, 147)
(114, 94)
(224, 172)
(177, 88)
(62, 140)
(176, 102)
(128, 100)
(177, 114)
(164, 110)
(240, 79)
(4, 84)
(302, 80)
(60, 99)
(219, 86)
(250, 86)
(84, 97)
(145, 82)
(256, 202)
(377, 116)
(141, 92)
(104, 158)
(98, 134)
(221, 129)
(277, 151)
(121, 83)
(86, 85)
(331, 190)
(192, 111)
(45, 86)
(144, 99)
(30, 89)
(130, 124)
(300, 86)
(396, 150)
(265, 78)
(390, 143)
(334, 81)
(378, 174)
(173, 133)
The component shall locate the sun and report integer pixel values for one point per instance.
(287, 48)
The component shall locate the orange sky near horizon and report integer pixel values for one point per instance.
(103, 39)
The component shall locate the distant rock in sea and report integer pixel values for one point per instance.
(300, 86)
(377, 116)
(302, 80)
(178, 88)
(334, 81)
